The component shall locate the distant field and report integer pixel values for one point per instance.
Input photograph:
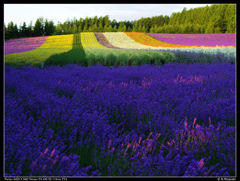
(130, 46)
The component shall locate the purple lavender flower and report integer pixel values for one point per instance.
(23, 44)
(217, 39)
(71, 113)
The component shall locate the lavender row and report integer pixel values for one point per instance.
(23, 44)
(170, 120)
(218, 39)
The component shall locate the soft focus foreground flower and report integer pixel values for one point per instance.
(201, 163)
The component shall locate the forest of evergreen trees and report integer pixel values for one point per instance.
(209, 19)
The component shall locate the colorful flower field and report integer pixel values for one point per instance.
(120, 104)
(213, 43)
(109, 42)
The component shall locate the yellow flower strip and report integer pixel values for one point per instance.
(53, 45)
(89, 40)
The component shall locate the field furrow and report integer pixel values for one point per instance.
(102, 39)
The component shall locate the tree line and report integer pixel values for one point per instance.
(209, 19)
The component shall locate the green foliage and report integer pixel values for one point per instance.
(39, 27)
(100, 159)
(115, 28)
(121, 57)
(49, 28)
(111, 58)
(91, 59)
(122, 27)
(145, 58)
(11, 31)
(135, 60)
(217, 18)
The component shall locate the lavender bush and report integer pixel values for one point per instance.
(170, 120)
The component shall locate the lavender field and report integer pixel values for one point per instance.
(147, 120)
(119, 91)
(97, 97)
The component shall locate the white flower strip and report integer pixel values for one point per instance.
(121, 40)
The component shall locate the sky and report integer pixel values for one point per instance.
(19, 13)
